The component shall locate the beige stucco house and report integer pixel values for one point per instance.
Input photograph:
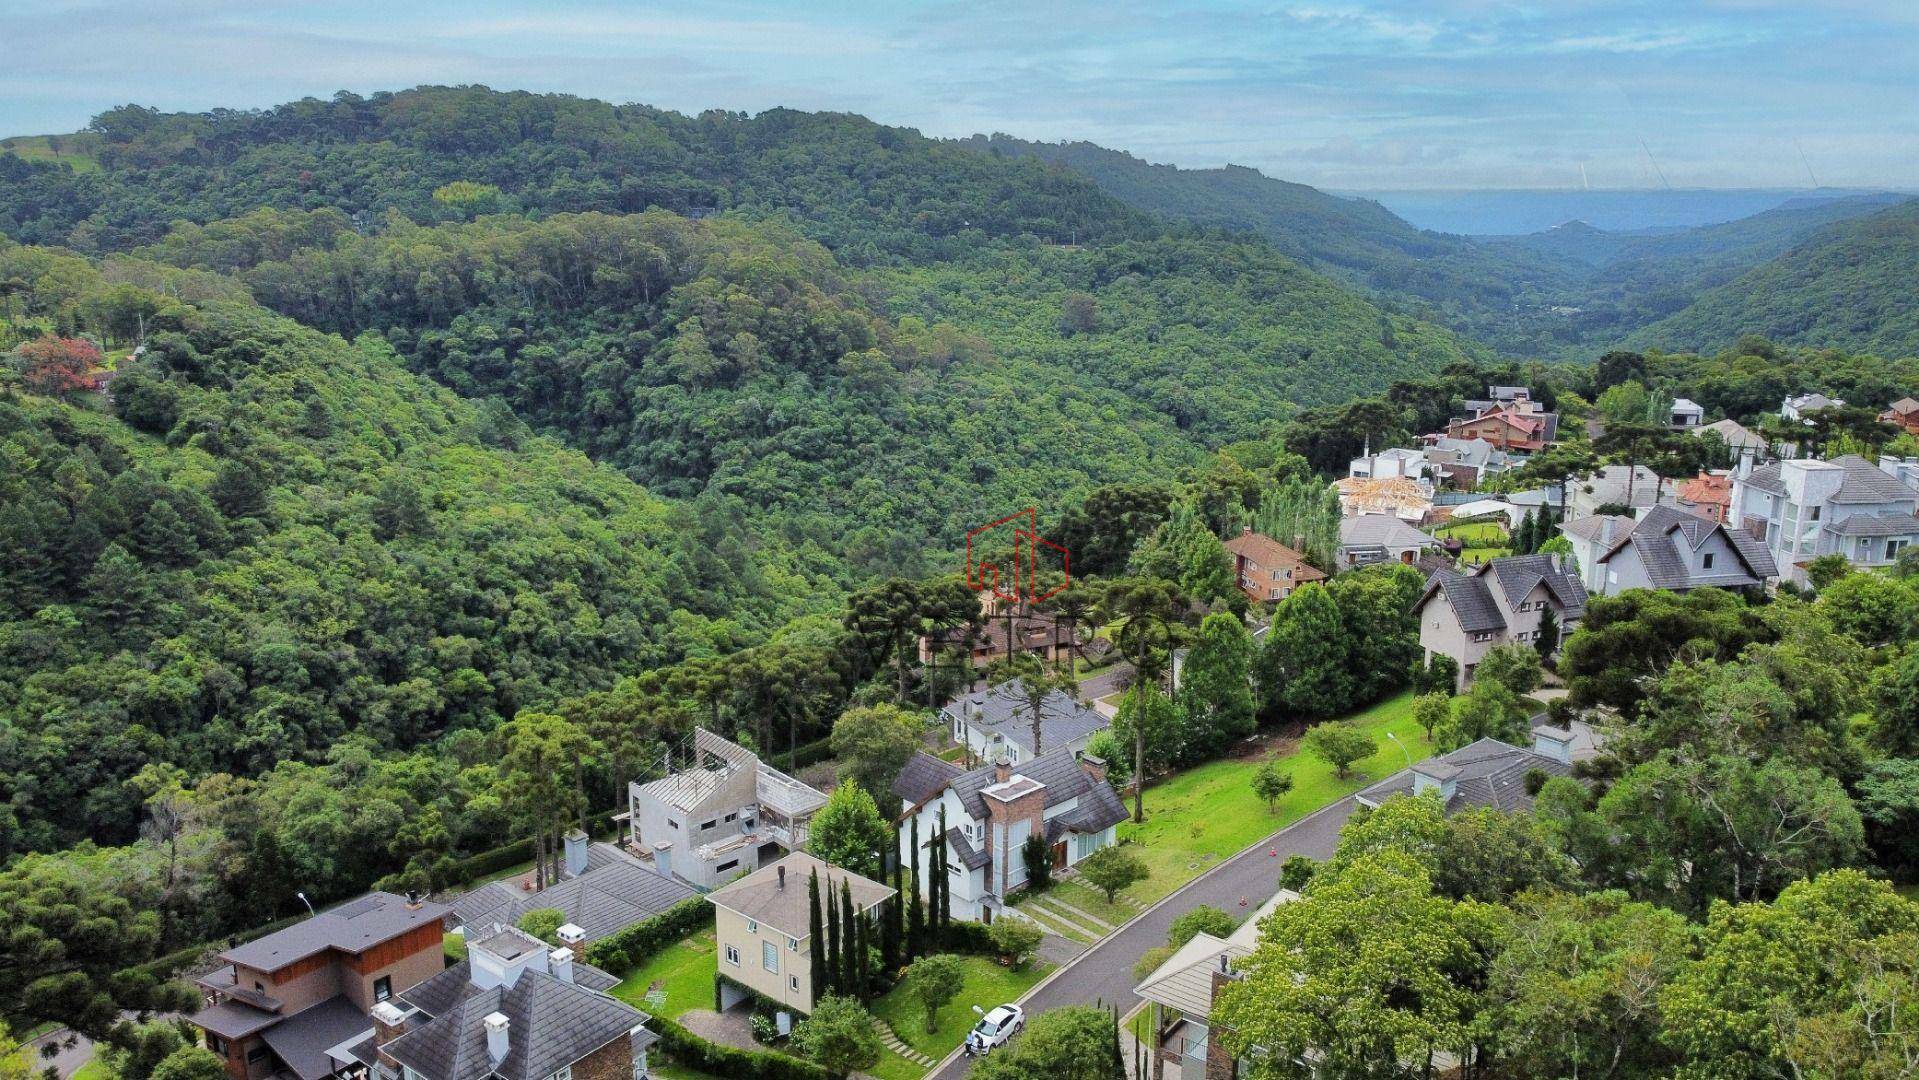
(763, 923)
(1466, 615)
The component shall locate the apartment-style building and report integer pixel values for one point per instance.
(720, 814)
(763, 928)
(989, 812)
(1465, 615)
(280, 1003)
(1803, 509)
(1265, 569)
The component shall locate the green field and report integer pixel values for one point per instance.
(1204, 815)
(1482, 539)
(987, 984)
(685, 970)
(76, 150)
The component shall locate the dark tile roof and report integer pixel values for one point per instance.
(1658, 537)
(352, 927)
(923, 777)
(1000, 710)
(609, 897)
(1484, 773)
(303, 1039)
(1875, 525)
(441, 992)
(232, 1020)
(550, 1024)
(1064, 778)
(1380, 530)
(963, 849)
(1518, 575)
(1469, 597)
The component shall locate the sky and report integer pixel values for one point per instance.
(1345, 95)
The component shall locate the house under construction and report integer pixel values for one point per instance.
(719, 814)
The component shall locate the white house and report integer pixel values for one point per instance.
(1387, 464)
(999, 722)
(1591, 537)
(1803, 509)
(721, 814)
(1686, 414)
(1797, 406)
(987, 814)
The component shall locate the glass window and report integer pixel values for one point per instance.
(383, 988)
(733, 956)
(1705, 561)
(752, 926)
(769, 956)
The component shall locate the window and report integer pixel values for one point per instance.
(383, 988)
(770, 956)
(1812, 513)
(1894, 547)
(752, 926)
(731, 864)
(733, 817)
(256, 1055)
(793, 981)
(1483, 635)
(216, 1044)
(1277, 576)
(709, 823)
(565, 1073)
(792, 944)
(733, 956)
(671, 824)
(1705, 561)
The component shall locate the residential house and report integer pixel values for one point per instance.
(1591, 537)
(1386, 464)
(279, 1003)
(1488, 773)
(1267, 569)
(1463, 463)
(763, 926)
(1677, 551)
(988, 813)
(1465, 615)
(1803, 509)
(514, 1009)
(722, 813)
(1686, 414)
(1500, 397)
(1902, 414)
(998, 722)
(1510, 428)
(1030, 631)
(1377, 538)
(1904, 470)
(1404, 498)
(1633, 486)
(1799, 406)
(1709, 494)
(1181, 991)
(602, 890)
(1736, 436)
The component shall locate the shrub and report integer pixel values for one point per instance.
(1014, 939)
(543, 922)
(1111, 869)
(696, 1053)
(1038, 858)
(631, 947)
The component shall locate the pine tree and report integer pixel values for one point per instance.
(832, 978)
(815, 923)
(864, 953)
(890, 918)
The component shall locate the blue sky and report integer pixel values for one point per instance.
(1349, 95)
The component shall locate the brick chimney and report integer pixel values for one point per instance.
(1002, 770)
(388, 1023)
(1220, 1064)
(1094, 765)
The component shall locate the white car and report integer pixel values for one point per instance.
(994, 1028)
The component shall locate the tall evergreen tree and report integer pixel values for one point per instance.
(832, 977)
(915, 904)
(890, 916)
(850, 942)
(815, 923)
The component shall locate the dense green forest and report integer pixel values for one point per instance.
(1555, 294)
(1847, 286)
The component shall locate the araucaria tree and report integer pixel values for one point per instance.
(540, 779)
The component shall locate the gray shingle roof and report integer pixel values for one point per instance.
(1384, 530)
(1864, 482)
(1489, 773)
(610, 896)
(963, 849)
(550, 1024)
(1471, 595)
(923, 777)
(1002, 711)
(1599, 528)
(1064, 778)
(1657, 539)
(761, 897)
(439, 993)
(1467, 594)
(1519, 574)
(352, 927)
(1875, 525)
(232, 1020)
(303, 1039)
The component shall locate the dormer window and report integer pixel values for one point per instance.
(1705, 561)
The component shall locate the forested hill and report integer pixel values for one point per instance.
(1849, 285)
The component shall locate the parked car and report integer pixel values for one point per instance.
(994, 1028)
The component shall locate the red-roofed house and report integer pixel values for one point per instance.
(1708, 495)
(1509, 427)
(1267, 569)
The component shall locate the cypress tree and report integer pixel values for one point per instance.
(915, 912)
(890, 921)
(943, 918)
(1119, 1057)
(849, 941)
(832, 980)
(817, 945)
(863, 954)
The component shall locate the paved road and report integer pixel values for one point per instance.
(1105, 971)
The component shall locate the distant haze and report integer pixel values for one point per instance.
(1497, 213)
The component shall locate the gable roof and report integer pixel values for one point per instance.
(303, 1039)
(1064, 778)
(1515, 576)
(1731, 432)
(1654, 540)
(761, 897)
(550, 1024)
(1184, 980)
(1706, 489)
(1001, 710)
(1874, 525)
(1269, 554)
(352, 927)
(1487, 773)
(1863, 482)
(1903, 406)
(615, 892)
(923, 776)
(1598, 528)
(1380, 530)
(1472, 602)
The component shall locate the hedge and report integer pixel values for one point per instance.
(968, 937)
(696, 1053)
(506, 856)
(629, 948)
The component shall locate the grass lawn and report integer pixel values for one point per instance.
(75, 150)
(684, 969)
(987, 984)
(1482, 540)
(1078, 894)
(94, 1069)
(1204, 815)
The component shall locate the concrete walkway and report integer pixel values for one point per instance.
(1104, 973)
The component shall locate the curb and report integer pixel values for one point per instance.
(956, 1053)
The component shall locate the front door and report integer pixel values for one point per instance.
(1059, 855)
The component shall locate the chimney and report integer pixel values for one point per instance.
(1436, 775)
(663, 858)
(782, 870)
(559, 964)
(412, 900)
(1094, 765)
(496, 1041)
(571, 935)
(1245, 530)
(1555, 743)
(1002, 770)
(575, 853)
(388, 1023)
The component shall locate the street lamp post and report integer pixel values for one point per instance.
(1402, 748)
